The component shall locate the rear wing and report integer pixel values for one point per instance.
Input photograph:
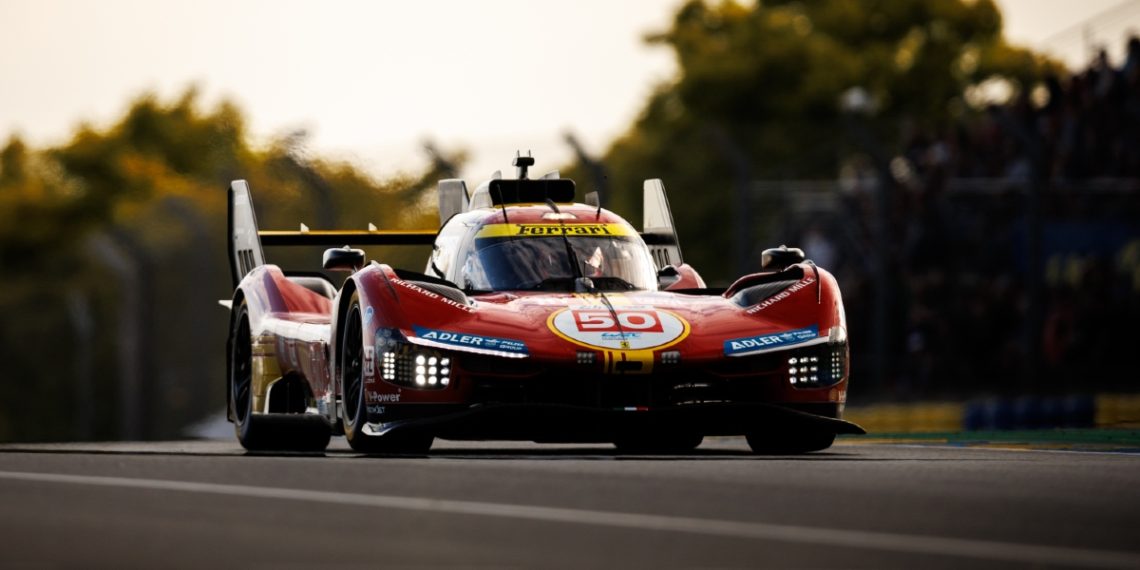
(657, 228)
(247, 241)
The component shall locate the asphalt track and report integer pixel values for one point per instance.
(491, 505)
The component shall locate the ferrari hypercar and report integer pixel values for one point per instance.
(534, 318)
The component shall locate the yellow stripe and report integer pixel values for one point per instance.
(645, 357)
(901, 418)
(554, 229)
(1118, 410)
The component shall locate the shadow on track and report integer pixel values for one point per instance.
(602, 454)
(495, 451)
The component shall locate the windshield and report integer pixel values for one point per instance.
(543, 264)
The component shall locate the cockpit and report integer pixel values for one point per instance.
(552, 263)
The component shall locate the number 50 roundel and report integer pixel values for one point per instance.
(630, 329)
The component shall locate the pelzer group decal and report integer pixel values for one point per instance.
(624, 328)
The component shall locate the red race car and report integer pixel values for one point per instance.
(535, 318)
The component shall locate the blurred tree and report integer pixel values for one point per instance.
(758, 88)
(144, 201)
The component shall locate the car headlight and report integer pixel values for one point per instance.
(818, 366)
(413, 366)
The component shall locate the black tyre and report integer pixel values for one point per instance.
(352, 391)
(784, 444)
(666, 443)
(260, 432)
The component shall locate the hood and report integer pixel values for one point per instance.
(560, 326)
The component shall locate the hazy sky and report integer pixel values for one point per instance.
(370, 80)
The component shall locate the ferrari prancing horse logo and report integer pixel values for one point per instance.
(625, 328)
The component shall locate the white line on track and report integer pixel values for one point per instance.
(882, 541)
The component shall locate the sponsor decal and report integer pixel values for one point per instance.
(572, 230)
(626, 328)
(368, 314)
(433, 295)
(378, 410)
(543, 230)
(369, 363)
(371, 397)
(773, 340)
(780, 296)
(472, 340)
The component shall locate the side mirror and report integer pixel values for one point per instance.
(343, 259)
(667, 276)
(778, 258)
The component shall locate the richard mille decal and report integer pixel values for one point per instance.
(433, 295)
(626, 328)
(781, 295)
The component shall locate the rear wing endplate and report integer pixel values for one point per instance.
(658, 230)
(245, 245)
(452, 198)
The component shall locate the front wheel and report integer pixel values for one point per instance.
(352, 391)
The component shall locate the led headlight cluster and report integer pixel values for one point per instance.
(806, 372)
(818, 366)
(388, 365)
(586, 358)
(432, 370)
(415, 367)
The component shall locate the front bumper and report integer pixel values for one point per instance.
(560, 423)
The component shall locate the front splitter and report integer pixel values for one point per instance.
(555, 423)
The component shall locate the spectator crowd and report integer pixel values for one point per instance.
(963, 319)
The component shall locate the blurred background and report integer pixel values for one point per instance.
(969, 170)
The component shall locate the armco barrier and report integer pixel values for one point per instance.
(994, 414)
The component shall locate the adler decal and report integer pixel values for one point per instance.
(625, 328)
(472, 340)
(769, 341)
